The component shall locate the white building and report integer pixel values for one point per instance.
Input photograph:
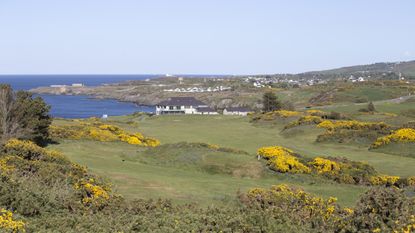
(206, 111)
(183, 105)
(241, 111)
(77, 84)
(58, 86)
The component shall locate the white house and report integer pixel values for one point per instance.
(206, 111)
(183, 105)
(241, 111)
(77, 84)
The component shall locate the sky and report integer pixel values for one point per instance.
(201, 37)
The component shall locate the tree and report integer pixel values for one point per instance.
(270, 102)
(371, 107)
(22, 116)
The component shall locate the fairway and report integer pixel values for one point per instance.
(134, 176)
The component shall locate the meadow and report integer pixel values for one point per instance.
(198, 175)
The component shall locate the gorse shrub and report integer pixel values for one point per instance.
(352, 125)
(93, 194)
(405, 135)
(322, 215)
(325, 165)
(274, 115)
(384, 180)
(98, 131)
(383, 210)
(282, 160)
(315, 112)
(352, 131)
(56, 195)
(341, 170)
(8, 223)
(30, 151)
(305, 120)
(35, 181)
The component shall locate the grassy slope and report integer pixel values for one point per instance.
(143, 179)
(381, 106)
(407, 68)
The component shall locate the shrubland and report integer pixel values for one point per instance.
(93, 129)
(338, 169)
(43, 191)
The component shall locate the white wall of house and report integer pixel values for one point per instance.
(186, 109)
(226, 112)
(207, 113)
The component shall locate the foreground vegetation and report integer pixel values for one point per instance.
(280, 170)
(47, 192)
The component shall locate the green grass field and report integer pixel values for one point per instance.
(167, 173)
(381, 106)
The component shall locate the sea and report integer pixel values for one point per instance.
(69, 106)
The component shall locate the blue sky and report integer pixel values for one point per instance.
(201, 37)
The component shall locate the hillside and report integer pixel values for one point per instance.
(406, 68)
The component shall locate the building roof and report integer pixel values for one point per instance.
(205, 109)
(238, 109)
(182, 101)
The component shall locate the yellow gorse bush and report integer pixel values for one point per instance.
(285, 113)
(297, 200)
(213, 146)
(384, 180)
(405, 135)
(8, 224)
(305, 120)
(31, 151)
(282, 160)
(101, 132)
(340, 170)
(272, 151)
(93, 193)
(355, 125)
(315, 112)
(4, 166)
(411, 180)
(325, 165)
(410, 228)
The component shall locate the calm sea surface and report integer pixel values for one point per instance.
(78, 106)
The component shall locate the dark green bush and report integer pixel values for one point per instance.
(382, 210)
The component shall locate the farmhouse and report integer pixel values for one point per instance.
(241, 111)
(183, 105)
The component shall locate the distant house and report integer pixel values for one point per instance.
(58, 86)
(241, 111)
(206, 111)
(183, 105)
(77, 84)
